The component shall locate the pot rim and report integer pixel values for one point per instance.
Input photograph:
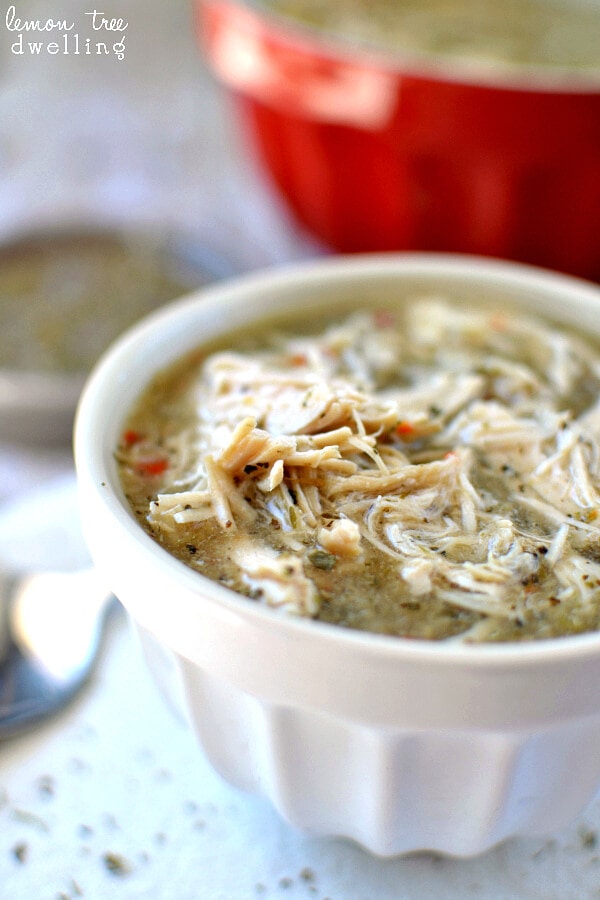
(492, 75)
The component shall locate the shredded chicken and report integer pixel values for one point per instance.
(459, 447)
(342, 538)
(277, 580)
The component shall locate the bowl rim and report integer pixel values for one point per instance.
(96, 469)
(499, 75)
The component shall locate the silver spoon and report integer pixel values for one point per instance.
(51, 625)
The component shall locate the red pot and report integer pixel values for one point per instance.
(374, 154)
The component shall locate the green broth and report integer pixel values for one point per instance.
(518, 397)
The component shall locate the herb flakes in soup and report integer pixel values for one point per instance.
(430, 473)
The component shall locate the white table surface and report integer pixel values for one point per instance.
(112, 798)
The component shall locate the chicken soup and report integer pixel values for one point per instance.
(429, 472)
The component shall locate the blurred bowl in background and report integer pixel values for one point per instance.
(65, 295)
(375, 150)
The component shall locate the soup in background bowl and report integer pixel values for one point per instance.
(349, 732)
(66, 291)
(458, 131)
(553, 34)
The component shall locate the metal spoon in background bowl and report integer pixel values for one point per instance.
(65, 294)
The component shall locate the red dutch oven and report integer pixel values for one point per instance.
(375, 154)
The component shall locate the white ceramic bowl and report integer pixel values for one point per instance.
(400, 745)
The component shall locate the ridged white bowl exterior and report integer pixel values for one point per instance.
(396, 790)
(399, 745)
